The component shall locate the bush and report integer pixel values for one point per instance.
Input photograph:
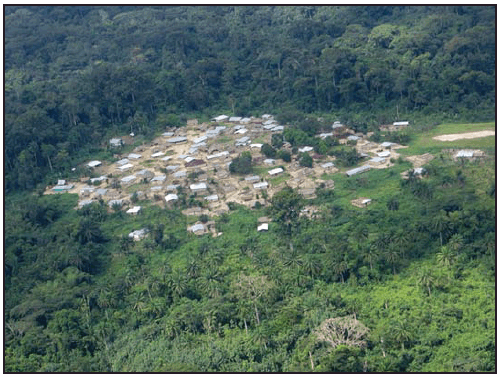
(134, 198)
(284, 155)
(306, 160)
(203, 218)
(241, 164)
(277, 141)
(268, 151)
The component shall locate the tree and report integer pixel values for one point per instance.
(268, 151)
(446, 256)
(276, 140)
(342, 330)
(241, 164)
(425, 279)
(285, 209)
(306, 160)
(254, 288)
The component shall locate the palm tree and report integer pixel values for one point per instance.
(340, 268)
(311, 264)
(425, 279)
(392, 256)
(440, 223)
(456, 242)
(446, 256)
(370, 255)
(401, 333)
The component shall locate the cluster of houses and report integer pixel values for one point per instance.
(195, 160)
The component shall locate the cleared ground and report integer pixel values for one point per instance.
(468, 135)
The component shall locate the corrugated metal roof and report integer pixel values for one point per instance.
(157, 154)
(196, 228)
(275, 171)
(260, 185)
(198, 186)
(122, 162)
(358, 170)
(214, 197)
(126, 167)
(159, 178)
(170, 197)
(134, 156)
(178, 139)
(128, 178)
(93, 164)
(305, 149)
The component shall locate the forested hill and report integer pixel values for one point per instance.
(76, 74)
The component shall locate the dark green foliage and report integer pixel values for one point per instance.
(268, 151)
(306, 160)
(277, 140)
(284, 155)
(241, 164)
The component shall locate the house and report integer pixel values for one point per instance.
(253, 178)
(122, 162)
(112, 202)
(337, 125)
(245, 120)
(235, 119)
(158, 178)
(358, 170)
(241, 131)
(167, 134)
(325, 135)
(464, 154)
(166, 158)
(269, 122)
(180, 174)
(353, 137)
(275, 171)
(243, 141)
(267, 116)
(269, 161)
(126, 167)
(176, 140)
(387, 144)
(172, 167)
(188, 159)
(277, 129)
(134, 156)
(172, 187)
(361, 202)
(116, 142)
(377, 160)
(197, 229)
(260, 185)
(305, 149)
(258, 145)
(401, 124)
(101, 191)
(418, 171)
(195, 187)
(327, 165)
(156, 188)
(144, 173)
(171, 197)
(200, 139)
(138, 235)
(384, 154)
(98, 179)
(263, 227)
(217, 155)
(134, 210)
(157, 154)
(212, 198)
(86, 191)
(84, 203)
(62, 188)
(128, 179)
(93, 164)
(61, 182)
(220, 118)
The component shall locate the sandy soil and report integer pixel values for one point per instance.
(468, 135)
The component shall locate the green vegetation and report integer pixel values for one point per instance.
(241, 164)
(405, 284)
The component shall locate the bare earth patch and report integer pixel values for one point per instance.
(468, 135)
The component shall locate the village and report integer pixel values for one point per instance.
(192, 163)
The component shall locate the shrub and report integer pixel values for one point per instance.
(306, 160)
(284, 155)
(268, 151)
(241, 164)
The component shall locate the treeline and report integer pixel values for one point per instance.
(77, 74)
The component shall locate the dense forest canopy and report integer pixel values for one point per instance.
(74, 74)
(406, 284)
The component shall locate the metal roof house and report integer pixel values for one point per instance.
(134, 156)
(138, 235)
(171, 197)
(353, 137)
(198, 186)
(180, 174)
(212, 198)
(253, 178)
(134, 210)
(178, 139)
(220, 118)
(112, 202)
(327, 165)
(384, 154)
(260, 185)
(386, 144)
(158, 178)
(116, 142)
(305, 149)
(269, 161)
(62, 188)
(122, 162)
(464, 154)
(403, 123)
(200, 139)
(263, 227)
(128, 179)
(167, 134)
(358, 170)
(157, 154)
(235, 119)
(126, 167)
(197, 228)
(243, 141)
(275, 171)
(93, 164)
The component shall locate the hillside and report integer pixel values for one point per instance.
(250, 189)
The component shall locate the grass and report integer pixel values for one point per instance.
(424, 143)
(279, 179)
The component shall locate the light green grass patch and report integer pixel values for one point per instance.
(424, 143)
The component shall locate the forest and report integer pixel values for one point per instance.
(404, 285)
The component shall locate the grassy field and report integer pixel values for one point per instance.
(423, 143)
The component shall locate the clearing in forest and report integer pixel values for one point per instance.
(468, 135)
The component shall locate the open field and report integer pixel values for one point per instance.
(425, 142)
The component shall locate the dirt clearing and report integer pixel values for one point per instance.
(468, 135)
